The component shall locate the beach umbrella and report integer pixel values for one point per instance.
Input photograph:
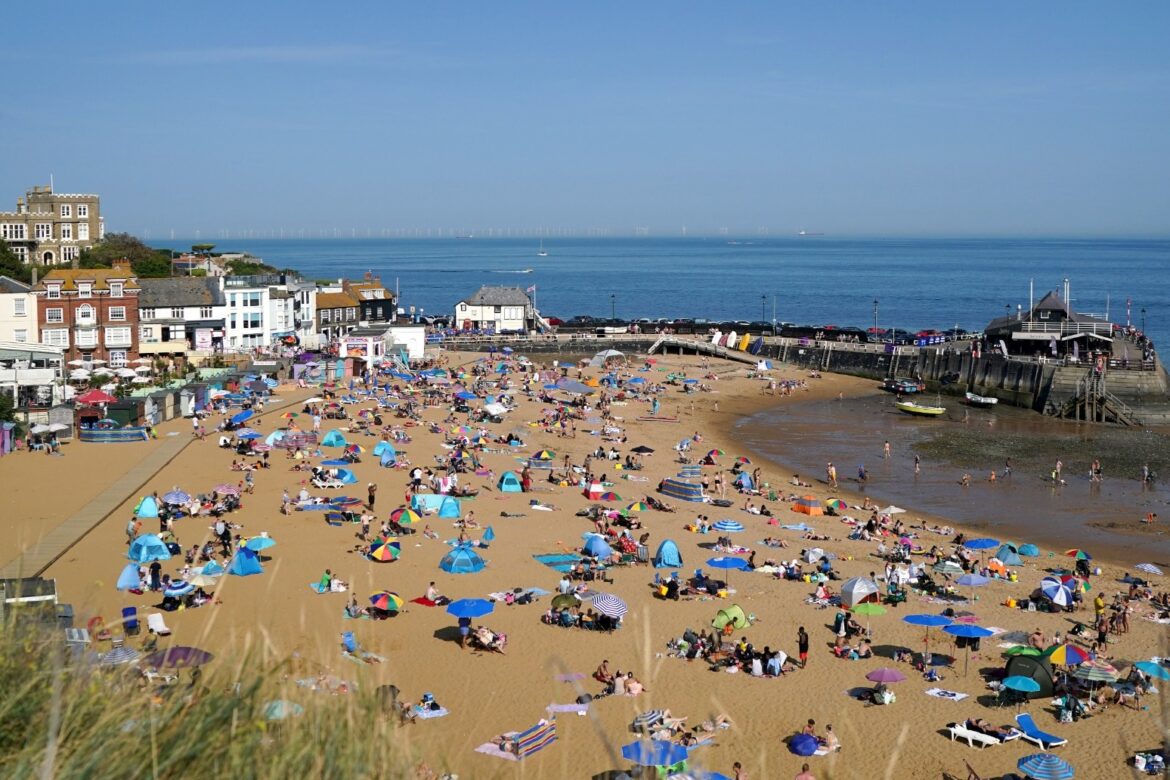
(1067, 655)
(95, 397)
(808, 505)
(1080, 555)
(858, 589)
(126, 373)
(119, 655)
(1022, 684)
(247, 434)
(636, 381)
(147, 548)
(610, 496)
(565, 601)
(289, 415)
(258, 543)
(141, 380)
(178, 588)
(642, 449)
(355, 448)
(470, 608)
(645, 720)
(981, 544)
(405, 516)
(1055, 591)
(928, 622)
(728, 562)
(385, 549)
(609, 605)
(891, 510)
(201, 580)
(462, 560)
(642, 506)
(803, 744)
(1154, 670)
(690, 381)
(129, 579)
(225, 489)
(1045, 766)
(1021, 650)
(1075, 583)
(465, 396)
(885, 675)
(143, 370)
(1096, 670)
(241, 417)
(836, 504)
(656, 752)
(972, 581)
(869, 609)
(967, 631)
(282, 709)
(387, 601)
(176, 497)
(728, 526)
(1148, 568)
(716, 453)
(544, 455)
(949, 567)
(1028, 551)
(813, 554)
(178, 657)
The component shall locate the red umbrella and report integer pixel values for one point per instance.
(94, 397)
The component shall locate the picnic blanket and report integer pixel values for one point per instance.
(492, 749)
(941, 693)
(580, 709)
(424, 714)
(424, 601)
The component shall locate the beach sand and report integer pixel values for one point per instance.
(277, 615)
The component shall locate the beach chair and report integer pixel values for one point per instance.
(130, 622)
(974, 738)
(156, 624)
(349, 642)
(1032, 733)
(971, 773)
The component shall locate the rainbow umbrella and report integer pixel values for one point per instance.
(715, 453)
(1067, 655)
(1075, 583)
(1097, 670)
(289, 415)
(545, 455)
(1080, 555)
(387, 601)
(385, 549)
(405, 516)
(610, 496)
(638, 506)
(355, 448)
(836, 504)
(743, 460)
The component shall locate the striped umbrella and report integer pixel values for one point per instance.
(728, 526)
(1056, 591)
(289, 415)
(1148, 568)
(836, 504)
(638, 506)
(387, 601)
(119, 655)
(385, 549)
(544, 455)
(1045, 766)
(227, 490)
(610, 496)
(1080, 555)
(647, 720)
(178, 588)
(1096, 670)
(404, 516)
(609, 605)
(1067, 655)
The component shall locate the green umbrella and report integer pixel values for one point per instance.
(868, 608)
(565, 601)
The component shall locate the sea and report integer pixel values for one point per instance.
(816, 280)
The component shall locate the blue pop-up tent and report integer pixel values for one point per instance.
(744, 481)
(129, 579)
(509, 483)
(462, 560)
(334, 439)
(244, 563)
(347, 476)
(273, 438)
(1008, 556)
(596, 547)
(383, 447)
(450, 509)
(147, 508)
(668, 556)
(388, 458)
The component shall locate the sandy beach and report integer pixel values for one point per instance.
(277, 615)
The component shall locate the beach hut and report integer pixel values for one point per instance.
(509, 483)
(1037, 668)
(244, 563)
(462, 560)
(744, 481)
(450, 509)
(668, 556)
(808, 505)
(681, 489)
(147, 508)
(334, 439)
(733, 616)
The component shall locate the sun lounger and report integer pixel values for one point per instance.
(1032, 733)
(156, 624)
(974, 738)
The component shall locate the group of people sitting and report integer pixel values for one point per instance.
(617, 683)
(573, 617)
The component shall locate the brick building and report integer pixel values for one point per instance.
(90, 313)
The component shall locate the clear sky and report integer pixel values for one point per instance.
(915, 118)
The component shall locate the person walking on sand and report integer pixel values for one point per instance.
(802, 646)
(371, 494)
(886, 450)
(831, 474)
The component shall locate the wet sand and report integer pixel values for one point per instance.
(276, 615)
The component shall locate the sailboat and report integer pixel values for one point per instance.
(542, 253)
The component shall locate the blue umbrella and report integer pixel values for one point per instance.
(803, 744)
(727, 562)
(690, 381)
(243, 416)
(728, 526)
(1022, 684)
(981, 544)
(128, 579)
(178, 588)
(972, 580)
(466, 396)
(1154, 670)
(571, 386)
(968, 631)
(249, 435)
(655, 752)
(461, 560)
(1045, 766)
(147, 548)
(176, 497)
(1056, 591)
(258, 543)
(470, 608)
(930, 621)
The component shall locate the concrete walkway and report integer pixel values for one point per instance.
(33, 561)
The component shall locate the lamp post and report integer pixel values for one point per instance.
(1143, 320)
(612, 306)
(763, 308)
(875, 314)
(1007, 312)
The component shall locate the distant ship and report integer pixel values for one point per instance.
(542, 253)
(806, 233)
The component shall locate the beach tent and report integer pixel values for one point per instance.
(808, 505)
(744, 481)
(347, 476)
(129, 579)
(1008, 556)
(245, 562)
(1030, 550)
(1037, 668)
(147, 548)
(733, 616)
(596, 547)
(450, 509)
(601, 358)
(426, 502)
(677, 488)
(388, 458)
(334, 439)
(147, 508)
(764, 365)
(594, 491)
(667, 556)
(509, 483)
(857, 590)
(382, 447)
(273, 438)
(462, 560)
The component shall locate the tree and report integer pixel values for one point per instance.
(146, 261)
(12, 267)
(8, 412)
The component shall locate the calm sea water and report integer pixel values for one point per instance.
(920, 283)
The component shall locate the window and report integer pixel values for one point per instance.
(117, 358)
(116, 290)
(43, 231)
(54, 315)
(253, 320)
(118, 313)
(205, 312)
(56, 337)
(83, 231)
(146, 333)
(87, 338)
(18, 307)
(83, 212)
(21, 252)
(69, 253)
(324, 315)
(351, 313)
(495, 309)
(176, 312)
(118, 337)
(14, 231)
(20, 335)
(66, 210)
(66, 231)
(84, 289)
(54, 290)
(146, 314)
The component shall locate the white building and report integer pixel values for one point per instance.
(32, 375)
(268, 310)
(181, 316)
(375, 343)
(18, 312)
(502, 309)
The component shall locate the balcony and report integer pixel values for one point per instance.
(28, 376)
(162, 347)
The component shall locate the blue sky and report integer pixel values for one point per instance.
(853, 119)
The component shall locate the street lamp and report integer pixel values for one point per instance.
(875, 314)
(1007, 312)
(612, 306)
(763, 308)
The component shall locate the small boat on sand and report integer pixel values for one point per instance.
(982, 401)
(922, 410)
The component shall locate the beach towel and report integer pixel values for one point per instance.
(580, 709)
(425, 714)
(823, 750)
(799, 527)
(346, 616)
(318, 588)
(940, 693)
(424, 601)
(492, 749)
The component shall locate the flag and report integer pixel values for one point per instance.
(531, 289)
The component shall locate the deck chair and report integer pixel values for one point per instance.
(130, 622)
(971, 773)
(349, 642)
(1032, 733)
(97, 629)
(156, 624)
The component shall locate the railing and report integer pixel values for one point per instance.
(1066, 328)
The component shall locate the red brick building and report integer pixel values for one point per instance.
(91, 313)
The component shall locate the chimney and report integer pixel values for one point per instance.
(121, 264)
(35, 274)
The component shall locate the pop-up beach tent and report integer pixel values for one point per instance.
(667, 556)
(509, 483)
(450, 509)
(462, 560)
(744, 481)
(681, 489)
(596, 547)
(347, 476)
(426, 502)
(384, 446)
(245, 562)
(147, 508)
(733, 616)
(333, 439)
(1008, 556)
(388, 458)
(593, 491)
(1037, 668)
